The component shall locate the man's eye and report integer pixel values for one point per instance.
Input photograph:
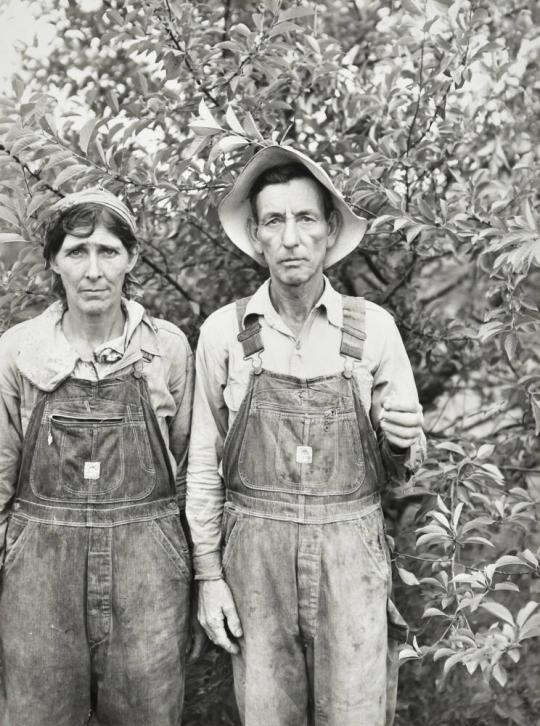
(110, 253)
(306, 219)
(75, 253)
(272, 222)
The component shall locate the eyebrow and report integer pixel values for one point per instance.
(299, 213)
(83, 244)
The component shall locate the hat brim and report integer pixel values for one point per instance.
(235, 210)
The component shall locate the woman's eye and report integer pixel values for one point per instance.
(75, 253)
(110, 253)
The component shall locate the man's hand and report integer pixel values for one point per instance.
(217, 608)
(197, 638)
(401, 422)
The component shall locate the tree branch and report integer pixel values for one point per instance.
(390, 292)
(226, 19)
(445, 289)
(187, 59)
(34, 174)
(166, 276)
(420, 89)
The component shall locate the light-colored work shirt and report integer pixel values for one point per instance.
(222, 379)
(36, 356)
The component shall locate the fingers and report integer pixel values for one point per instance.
(400, 442)
(401, 421)
(397, 418)
(197, 644)
(216, 611)
(233, 621)
(215, 629)
(392, 403)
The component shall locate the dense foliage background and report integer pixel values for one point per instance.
(427, 114)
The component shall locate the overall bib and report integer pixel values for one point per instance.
(94, 596)
(304, 548)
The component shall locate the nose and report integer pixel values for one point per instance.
(290, 232)
(93, 268)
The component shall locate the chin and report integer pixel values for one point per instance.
(296, 277)
(96, 307)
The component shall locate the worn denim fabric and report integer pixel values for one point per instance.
(302, 449)
(306, 558)
(312, 603)
(95, 587)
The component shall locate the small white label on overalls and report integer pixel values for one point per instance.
(304, 454)
(91, 469)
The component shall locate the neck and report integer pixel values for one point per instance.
(87, 332)
(294, 303)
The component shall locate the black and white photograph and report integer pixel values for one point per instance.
(269, 363)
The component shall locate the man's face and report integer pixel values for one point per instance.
(92, 270)
(292, 232)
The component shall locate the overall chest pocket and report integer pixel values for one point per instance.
(92, 458)
(318, 454)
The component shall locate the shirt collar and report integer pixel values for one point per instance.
(46, 358)
(330, 301)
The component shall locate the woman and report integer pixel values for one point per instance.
(95, 402)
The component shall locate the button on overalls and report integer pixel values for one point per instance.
(95, 587)
(304, 548)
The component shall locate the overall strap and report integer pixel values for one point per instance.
(139, 365)
(353, 331)
(250, 335)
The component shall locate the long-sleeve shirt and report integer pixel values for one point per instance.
(222, 379)
(36, 356)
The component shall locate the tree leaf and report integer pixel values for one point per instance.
(251, 129)
(201, 129)
(535, 405)
(9, 217)
(500, 611)
(86, 133)
(409, 578)
(70, 173)
(297, 12)
(500, 674)
(232, 120)
(9, 238)
(226, 145)
(526, 612)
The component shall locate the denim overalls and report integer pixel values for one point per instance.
(95, 588)
(304, 553)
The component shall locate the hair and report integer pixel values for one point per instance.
(81, 220)
(281, 175)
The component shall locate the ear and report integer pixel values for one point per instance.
(52, 264)
(252, 234)
(334, 228)
(133, 258)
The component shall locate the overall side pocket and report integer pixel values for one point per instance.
(18, 532)
(230, 528)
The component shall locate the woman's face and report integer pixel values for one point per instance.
(92, 270)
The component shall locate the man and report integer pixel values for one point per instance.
(285, 469)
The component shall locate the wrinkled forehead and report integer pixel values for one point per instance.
(290, 197)
(96, 237)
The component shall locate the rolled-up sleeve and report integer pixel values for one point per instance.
(205, 491)
(393, 378)
(180, 382)
(10, 431)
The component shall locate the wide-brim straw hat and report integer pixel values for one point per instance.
(235, 210)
